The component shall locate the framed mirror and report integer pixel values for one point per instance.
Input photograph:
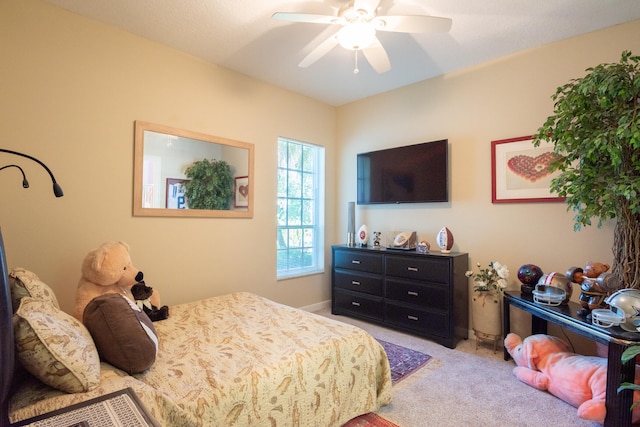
(173, 165)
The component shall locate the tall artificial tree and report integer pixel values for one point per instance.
(595, 130)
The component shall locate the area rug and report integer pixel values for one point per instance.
(403, 361)
(370, 420)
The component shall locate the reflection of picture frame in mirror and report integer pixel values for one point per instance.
(163, 153)
(241, 191)
(175, 194)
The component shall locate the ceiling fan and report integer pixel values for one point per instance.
(359, 23)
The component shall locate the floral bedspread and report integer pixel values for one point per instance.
(240, 360)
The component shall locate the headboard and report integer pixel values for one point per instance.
(7, 347)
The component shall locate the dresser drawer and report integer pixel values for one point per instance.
(424, 321)
(422, 294)
(359, 282)
(418, 268)
(359, 304)
(358, 260)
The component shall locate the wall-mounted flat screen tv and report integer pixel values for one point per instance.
(409, 174)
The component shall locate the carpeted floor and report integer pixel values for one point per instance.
(465, 386)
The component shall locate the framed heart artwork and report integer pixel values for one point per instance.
(241, 191)
(520, 171)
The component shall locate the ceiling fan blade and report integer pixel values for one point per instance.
(412, 24)
(321, 50)
(377, 56)
(307, 17)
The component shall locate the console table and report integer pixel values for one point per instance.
(618, 404)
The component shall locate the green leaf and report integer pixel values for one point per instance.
(630, 353)
(210, 185)
(628, 386)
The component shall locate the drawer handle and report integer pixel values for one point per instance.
(412, 318)
(412, 293)
(412, 268)
(355, 261)
(357, 304)
(355, 282)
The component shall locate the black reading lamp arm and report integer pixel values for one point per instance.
(25, 183)
(57, 190)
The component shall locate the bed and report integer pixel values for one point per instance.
(235, 360)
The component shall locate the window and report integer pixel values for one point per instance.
(300, 242)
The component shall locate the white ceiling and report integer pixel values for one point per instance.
(240, 35)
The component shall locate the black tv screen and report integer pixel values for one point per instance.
(410, 174)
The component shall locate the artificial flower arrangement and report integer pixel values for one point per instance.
(492, 279)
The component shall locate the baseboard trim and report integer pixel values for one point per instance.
(317, 307)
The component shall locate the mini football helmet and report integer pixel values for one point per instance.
(552, 289)
(624, 311)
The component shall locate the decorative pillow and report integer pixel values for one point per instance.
(25, 283)
(55, 347)
(124, 334)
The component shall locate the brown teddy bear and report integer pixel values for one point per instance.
(142, 294)
(107, 269)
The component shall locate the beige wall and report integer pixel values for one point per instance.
(71, 89)
(503, 99)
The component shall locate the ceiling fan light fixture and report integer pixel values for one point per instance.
(356, 36)
(360, 22)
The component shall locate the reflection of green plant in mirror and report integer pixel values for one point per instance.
(210, 186)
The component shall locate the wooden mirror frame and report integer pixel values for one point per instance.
(242, 173)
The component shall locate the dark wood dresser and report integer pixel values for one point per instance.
(423, 294)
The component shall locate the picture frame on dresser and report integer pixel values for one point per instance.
(520, 171)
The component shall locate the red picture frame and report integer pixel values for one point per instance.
(519, 171)
(241, 192)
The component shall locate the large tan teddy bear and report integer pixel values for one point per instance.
(105, 270)
(546, 363)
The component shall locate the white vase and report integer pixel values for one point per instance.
(486, 317)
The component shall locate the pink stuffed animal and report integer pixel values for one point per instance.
(546, 363)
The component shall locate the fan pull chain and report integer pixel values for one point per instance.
(356, 70)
